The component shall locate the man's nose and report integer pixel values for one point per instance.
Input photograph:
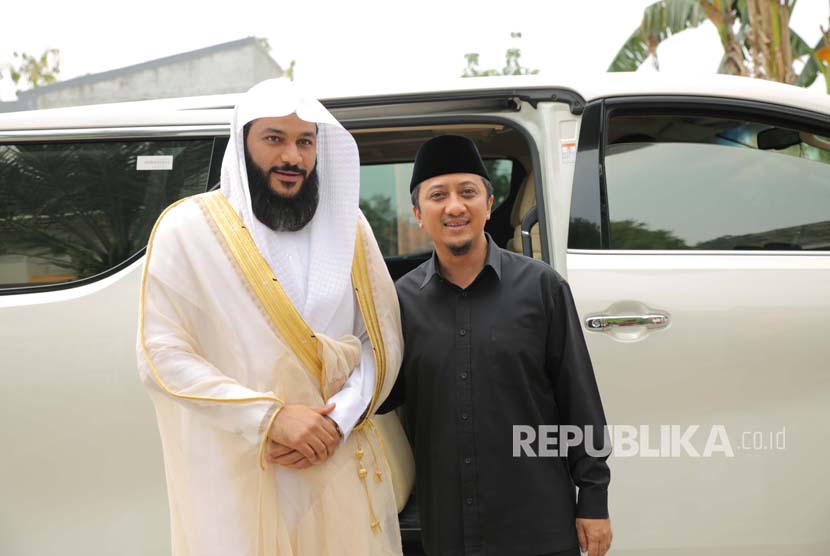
(455, 206)
(291, 155)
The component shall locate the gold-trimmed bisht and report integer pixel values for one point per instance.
(293, 329)
(157, 376)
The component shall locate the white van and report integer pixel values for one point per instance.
(692, 219)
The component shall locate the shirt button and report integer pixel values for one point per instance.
(469, 501)
(463, 376)
(464, 416)
(463, 294)
(467, 460)
(462, 332)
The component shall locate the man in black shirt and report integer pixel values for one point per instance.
(492, 342)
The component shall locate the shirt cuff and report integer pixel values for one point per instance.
(356, 395)
(347, 416)
(592, 503)
(265, 429)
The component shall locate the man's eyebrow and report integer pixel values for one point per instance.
(281, 132)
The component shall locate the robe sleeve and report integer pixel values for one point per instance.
(353, 399)
(578, 399)
(171, 362)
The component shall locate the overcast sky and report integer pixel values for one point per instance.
(372, 41)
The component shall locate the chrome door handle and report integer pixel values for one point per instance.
(605, 322)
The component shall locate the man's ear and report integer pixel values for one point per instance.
(417, 214)
(490, 205)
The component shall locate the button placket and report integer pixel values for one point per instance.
(465, 416)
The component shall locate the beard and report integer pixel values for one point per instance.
(278, 212)
(461, 249)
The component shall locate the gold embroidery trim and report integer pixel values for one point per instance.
(374, 523)
(287, 319)
(267, 289)
(278, 306)
(363, 292)
(145, 352)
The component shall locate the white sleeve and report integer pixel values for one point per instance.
(353, 399)
(170, 363)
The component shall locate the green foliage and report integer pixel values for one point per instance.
(811, 67)
(289, 73)
(83, 207)
(512, 66)
(628, 234)
(749, 47)
(660, 21)
(36, 71)
(380, 214)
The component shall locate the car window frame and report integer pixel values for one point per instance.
(214, 132)
(518, 126)
(409, 256)
(104, 135)
(590, 186)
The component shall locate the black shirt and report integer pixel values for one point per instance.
(507, 350)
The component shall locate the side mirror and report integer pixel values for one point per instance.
(776, 138)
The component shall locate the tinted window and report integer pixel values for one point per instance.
(73, 210)
(696, 182)
(387, 204)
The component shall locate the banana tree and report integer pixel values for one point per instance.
(755, 35)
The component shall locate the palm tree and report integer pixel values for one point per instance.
(755, 34)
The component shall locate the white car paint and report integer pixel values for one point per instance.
(745, 349)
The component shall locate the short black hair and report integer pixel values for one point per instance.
(487, 185)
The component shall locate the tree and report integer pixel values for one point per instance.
(630, 234)
(35, 71)
(755, 35)
(82, 207)
(289, 73)
(511, 63)
(380, 214)
(822, 56)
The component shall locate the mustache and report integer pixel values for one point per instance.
(289, 168)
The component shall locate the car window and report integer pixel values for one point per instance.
(70, 211)
(695, 182)
(387, 204)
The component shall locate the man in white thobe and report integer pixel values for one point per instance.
(269, 333)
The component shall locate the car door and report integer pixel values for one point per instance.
(82, 471)
(699, 256)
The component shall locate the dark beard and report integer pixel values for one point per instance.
(459, 250)
(282, 214)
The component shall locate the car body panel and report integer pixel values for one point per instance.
(744, 348)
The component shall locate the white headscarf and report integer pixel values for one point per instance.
(313, 265)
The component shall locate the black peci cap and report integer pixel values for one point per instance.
(447, 154)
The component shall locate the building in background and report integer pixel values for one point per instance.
(229, 67)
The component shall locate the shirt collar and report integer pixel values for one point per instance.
(493, 260)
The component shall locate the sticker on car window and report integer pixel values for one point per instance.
(158, 162)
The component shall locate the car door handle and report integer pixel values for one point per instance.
(606, 322)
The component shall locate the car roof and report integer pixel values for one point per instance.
(215, 109)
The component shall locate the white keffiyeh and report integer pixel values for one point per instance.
(314, 264)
